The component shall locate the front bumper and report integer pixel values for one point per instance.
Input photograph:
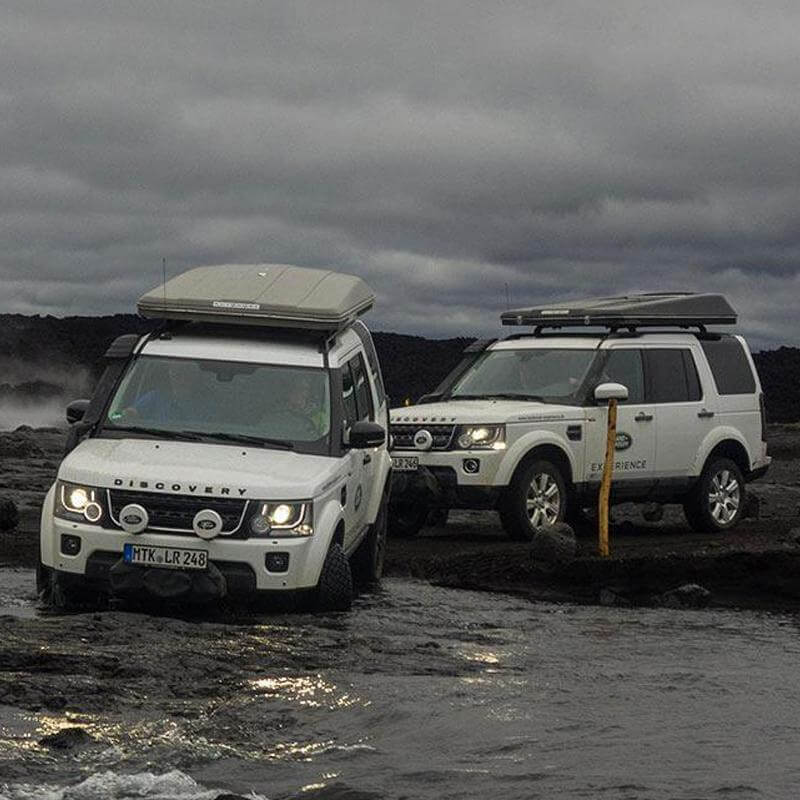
(240, 563)
(438, 487)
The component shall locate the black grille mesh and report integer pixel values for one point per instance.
(404, 435)
(177, 511)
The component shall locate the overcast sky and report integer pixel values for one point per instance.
(442, 150)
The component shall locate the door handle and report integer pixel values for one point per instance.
(642, 417)
(367, 458)
(705, 414)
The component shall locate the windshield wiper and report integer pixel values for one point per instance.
(166, 434)
(244, 438)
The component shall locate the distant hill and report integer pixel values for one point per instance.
(41, 349)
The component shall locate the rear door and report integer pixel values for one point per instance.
(683, 416)
(636, 434)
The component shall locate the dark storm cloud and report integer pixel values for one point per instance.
(443, 150)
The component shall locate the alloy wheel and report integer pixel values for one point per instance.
(724, 497)
(543, 502)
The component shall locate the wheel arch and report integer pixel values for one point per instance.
(730, 446)
(549, 452)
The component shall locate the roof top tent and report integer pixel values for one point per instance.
(629, 311)
(274, 295)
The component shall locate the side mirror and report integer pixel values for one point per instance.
(366, 434)
(76, 411)
(610, 391)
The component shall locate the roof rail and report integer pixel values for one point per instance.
(274, 295)
(683, 310)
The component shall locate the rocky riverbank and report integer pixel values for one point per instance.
(652, 563)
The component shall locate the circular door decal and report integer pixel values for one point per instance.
(423, 440)
(133, 518)
(207, 523)
(623, 441)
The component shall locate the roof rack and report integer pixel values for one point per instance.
(275, 295)
(684, 310)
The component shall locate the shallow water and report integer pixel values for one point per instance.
(427, 693)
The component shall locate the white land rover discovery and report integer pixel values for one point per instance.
(520, 425)
(239, 449)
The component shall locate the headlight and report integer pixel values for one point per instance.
(78, 503)
(481, 437)
(282, 519)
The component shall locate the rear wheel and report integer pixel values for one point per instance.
(535, 498)
(335, 587)
(717, 502)
(367, 562)
(406, 521)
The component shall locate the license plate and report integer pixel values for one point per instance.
(165, 557)
(405, 463)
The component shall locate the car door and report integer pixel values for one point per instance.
(683, 416)
(358, 406)
(636, 434)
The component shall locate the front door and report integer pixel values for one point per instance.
(635, 446)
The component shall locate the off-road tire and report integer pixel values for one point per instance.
(698, 507)
(334, 590)
(367, 562)
(44, 583)
(406, 521)
(513, 506)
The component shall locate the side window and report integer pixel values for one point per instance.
(729, 365)
(671, 376)
(362, 390)
(372, 359)
(625, 366)
(348, 397)
(692, 378)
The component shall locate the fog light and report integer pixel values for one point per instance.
(93, 512)
(276, 562)
(70, 545)
(472, 466)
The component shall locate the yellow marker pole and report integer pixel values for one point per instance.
(605, 483)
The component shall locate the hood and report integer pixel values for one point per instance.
(468, 412)
(213, 470)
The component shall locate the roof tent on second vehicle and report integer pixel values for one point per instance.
(275, 295)
(629, 311)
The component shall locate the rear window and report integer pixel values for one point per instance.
(729, 365)
(671, 376)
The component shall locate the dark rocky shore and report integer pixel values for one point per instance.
(652, 563)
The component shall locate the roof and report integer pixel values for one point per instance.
(277, 295)
(629, 311)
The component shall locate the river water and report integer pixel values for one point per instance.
(420, 692)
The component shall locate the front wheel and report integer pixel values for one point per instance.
(335, 587)
(718, 500)
(535, 498)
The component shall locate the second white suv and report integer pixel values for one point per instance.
(517, 426)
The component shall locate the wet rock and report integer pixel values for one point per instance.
(690, 595)
(554, 543)
(66, 739)
(9, 515)
(612, 597)
(653, 512)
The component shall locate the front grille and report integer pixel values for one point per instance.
(176, 512)
(404, 435)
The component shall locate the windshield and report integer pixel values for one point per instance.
(273, 405)
(543, 373)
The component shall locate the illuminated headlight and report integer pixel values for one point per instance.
(78, 503)
(481, 437)
(282, 519)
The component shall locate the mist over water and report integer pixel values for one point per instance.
(36, 394)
